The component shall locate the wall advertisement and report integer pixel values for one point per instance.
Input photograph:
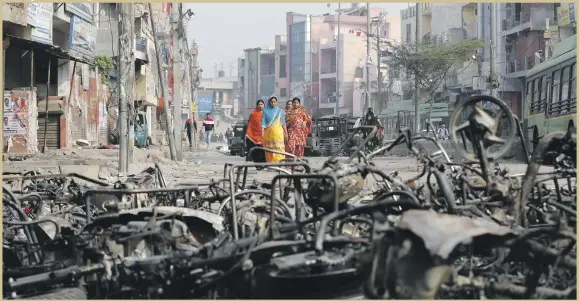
(82, 37)
(40, 18)
(15, 109)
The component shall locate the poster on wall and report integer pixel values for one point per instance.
(15, 109)
(82, 36)
(82, 10)
(40, 17)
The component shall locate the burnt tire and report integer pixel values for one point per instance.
(73, 293)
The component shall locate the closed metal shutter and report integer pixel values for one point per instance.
(52, 131)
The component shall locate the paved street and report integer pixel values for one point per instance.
(196, 166)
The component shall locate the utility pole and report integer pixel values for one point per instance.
(168, 121)
(124, 80)
(368, 27)
(379, 57)
(493, 46)
(131, 85)
(178, 82)
(195, 85)
(338, 60)
(416, 81)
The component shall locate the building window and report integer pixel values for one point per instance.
(282, 66)
(555, 93)
(282, 92)
(573, 81)
(565, 84)
(408, 33)
(386, 33)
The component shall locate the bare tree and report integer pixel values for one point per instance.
(430, 62)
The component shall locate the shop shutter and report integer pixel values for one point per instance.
(52, 131)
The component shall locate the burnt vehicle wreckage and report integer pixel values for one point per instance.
(457, 230)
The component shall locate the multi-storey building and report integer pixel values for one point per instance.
(256, 77)
(522, 45)
(49, 50)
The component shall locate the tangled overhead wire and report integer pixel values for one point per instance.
(458, 230)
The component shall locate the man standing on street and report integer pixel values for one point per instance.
(208, 125)
(442, 132)
(189, 130)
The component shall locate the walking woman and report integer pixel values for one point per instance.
(274, 130)
(288, 106)
(298, 127)
(254, 133)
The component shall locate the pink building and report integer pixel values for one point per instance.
(306, 59)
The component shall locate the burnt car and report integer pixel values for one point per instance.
(236, 143)
(328, 134)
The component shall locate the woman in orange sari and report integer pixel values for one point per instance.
(298, 127)
(254, 133)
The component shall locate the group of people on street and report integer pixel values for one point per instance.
(277, 129)
(206, 132)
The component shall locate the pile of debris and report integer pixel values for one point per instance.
(458, 230)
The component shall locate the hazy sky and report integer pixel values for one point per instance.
(223, 30)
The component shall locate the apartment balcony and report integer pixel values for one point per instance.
(328, 42)
(520, 64)
(283, 44)
(516, 23)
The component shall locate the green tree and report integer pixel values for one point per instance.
(430, 62)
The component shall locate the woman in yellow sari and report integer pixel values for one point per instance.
(274, 130)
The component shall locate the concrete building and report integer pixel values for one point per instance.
(223, 93)
(313, 58)
(256, 77)
(48, 74)
(522, 45)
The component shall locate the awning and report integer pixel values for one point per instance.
(54, 50)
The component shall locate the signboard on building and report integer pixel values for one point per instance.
(83, 10)
(563, 14)
(40, 18)
(205, 102)
(15, 109)
(82, 36)
(572, 12)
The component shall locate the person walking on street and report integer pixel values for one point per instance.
(288, 106)
(298, 127)
(189, 129)
(274, 130)
(254, 134)
(208, 125)
(442, 132)
(372, 120)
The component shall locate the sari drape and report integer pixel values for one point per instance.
(298, 127)
(272, 122)
(254, 129)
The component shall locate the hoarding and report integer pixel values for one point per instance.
(82, 10)
(205, 102)
(40, 18)
(82, 36)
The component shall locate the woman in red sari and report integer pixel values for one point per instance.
(298, 123)
(254, 134)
